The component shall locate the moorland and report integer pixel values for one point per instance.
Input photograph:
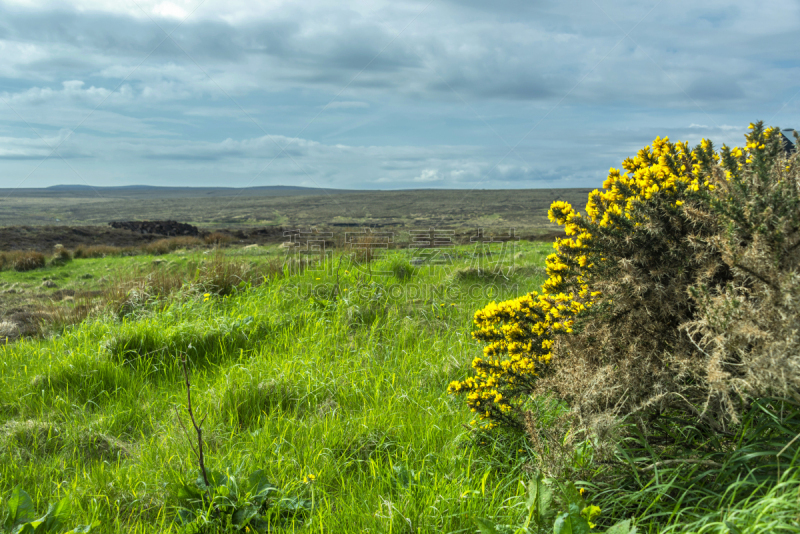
(637, 374)
(284, 206)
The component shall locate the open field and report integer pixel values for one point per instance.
(200, 385)
(338, 372)
(525, 210)
(328, 380)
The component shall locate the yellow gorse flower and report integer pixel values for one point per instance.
(519, 334)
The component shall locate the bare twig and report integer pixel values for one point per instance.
(756, 275)
(186, 431)
(197, 428)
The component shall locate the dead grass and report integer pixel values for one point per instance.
(22, 260)
(100, 251)
(60, 317)
(219, 274)
(368, 248)
(126, 293)
(222, 275)
(129, 291)
(167, 245)
(217, 239)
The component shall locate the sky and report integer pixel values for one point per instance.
(468, 94)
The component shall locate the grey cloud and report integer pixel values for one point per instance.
(38, 148)
(523, 58)
(715, 89)
(548, 71)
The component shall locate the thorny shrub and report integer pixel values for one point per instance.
(676, 292)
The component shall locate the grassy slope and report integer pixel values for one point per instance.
(353, 393)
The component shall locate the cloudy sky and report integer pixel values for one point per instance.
(379, 94)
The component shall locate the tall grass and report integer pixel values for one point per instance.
(350, 389)
(697, 480)
(101, 251)
(22, 260)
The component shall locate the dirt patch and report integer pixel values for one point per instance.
(45, 238)
(20, 322)
(8, 329)
(164, 228)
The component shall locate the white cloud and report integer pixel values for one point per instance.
(428, 175)
(37, 148)
(169, 9)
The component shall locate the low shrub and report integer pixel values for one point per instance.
(61, 256)
(222, 275)
(164, 246)
(26, 260)
(665, 343)
(217, 238)
(677, 291)
(126, 294)
(99, 251)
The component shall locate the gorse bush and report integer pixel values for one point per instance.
(676, 292)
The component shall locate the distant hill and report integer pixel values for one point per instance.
(151, 191)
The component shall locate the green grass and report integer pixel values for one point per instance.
(295, 382)
(298, 378)
(58, 295)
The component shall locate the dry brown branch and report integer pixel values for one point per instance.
(198, 428)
